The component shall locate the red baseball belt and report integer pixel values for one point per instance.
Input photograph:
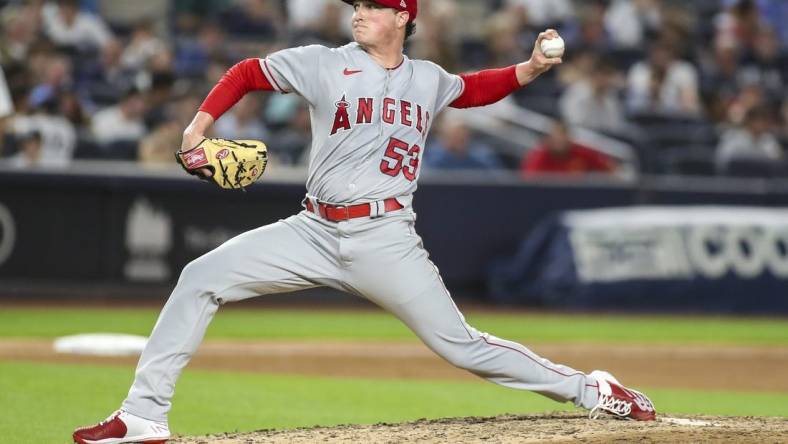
(337, 213)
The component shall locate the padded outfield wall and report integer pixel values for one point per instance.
(132, 227)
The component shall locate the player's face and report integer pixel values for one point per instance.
(374, 24)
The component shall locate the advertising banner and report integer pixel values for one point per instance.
(696, 258)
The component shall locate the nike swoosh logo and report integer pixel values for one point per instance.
(349, 72)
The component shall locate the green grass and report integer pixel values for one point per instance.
(43, 403)
(377, 325)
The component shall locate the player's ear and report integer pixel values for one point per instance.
(402, 18)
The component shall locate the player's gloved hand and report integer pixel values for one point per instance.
(230, 164)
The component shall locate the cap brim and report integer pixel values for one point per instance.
(350, 2)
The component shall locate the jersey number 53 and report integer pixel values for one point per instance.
(396, 154)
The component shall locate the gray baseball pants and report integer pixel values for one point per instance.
(380, 259)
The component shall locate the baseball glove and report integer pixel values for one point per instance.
(234, 164)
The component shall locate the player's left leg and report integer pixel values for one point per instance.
(392, 269)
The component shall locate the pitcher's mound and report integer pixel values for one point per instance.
(545, 428)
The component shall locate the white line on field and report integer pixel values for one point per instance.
(688, 422)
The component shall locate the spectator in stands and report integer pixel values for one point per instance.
(750, 96)
(6, 108)
(126, 16)
(189, 13)
(720, 82)
(19, 27)
(258, 19)
(663, 85)
(103, 80)
(67, 26)
(329, 30)
(193, 54)
(156, 148)
(290, 144)
(739, 24)
(784, 119)
(217, 66)
(6, 103)
(437, 38)
(163, 62)
(766, 65)
(305, 17)
(558, 154)
(775, 13)
(55, 79)
(455, 149)
(141, 48)
(501, 39)
(70, 107)
(158, 98)
(183, 109)
(594, 102)
(592, 35)
(122, 122)
(546, 13)
(242, 122)
(58, 135)
(577, 67)
(628, 22)
(747, 71)
(754, 140)
(29, 154)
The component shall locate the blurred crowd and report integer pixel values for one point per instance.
(695, 87)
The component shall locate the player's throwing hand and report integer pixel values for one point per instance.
(541, 63)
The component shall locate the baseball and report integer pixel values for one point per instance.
(553, 47)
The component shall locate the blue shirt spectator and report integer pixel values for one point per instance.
(775, 13)
(454, 149)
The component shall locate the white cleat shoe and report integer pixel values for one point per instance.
(620, 401)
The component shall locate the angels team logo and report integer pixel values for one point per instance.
(402, 4)
(341, 118)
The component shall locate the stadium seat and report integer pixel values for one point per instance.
(690, 161)
(120, 150)
(87, 149)
(754, 168)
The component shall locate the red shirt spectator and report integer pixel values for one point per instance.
(558, 154)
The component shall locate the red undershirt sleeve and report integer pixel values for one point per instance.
(487, 87)
(243, 77)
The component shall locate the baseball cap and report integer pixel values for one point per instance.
(412, 6)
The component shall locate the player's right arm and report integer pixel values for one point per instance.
(489, 86)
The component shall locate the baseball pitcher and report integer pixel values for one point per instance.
(371, 110)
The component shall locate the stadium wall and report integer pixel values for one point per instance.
(141, 229)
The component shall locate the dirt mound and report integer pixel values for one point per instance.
(547, 428)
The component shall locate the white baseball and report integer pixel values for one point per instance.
(553, 47)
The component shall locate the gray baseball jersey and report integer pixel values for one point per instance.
(369, 125)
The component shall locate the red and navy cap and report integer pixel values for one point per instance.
(412, 6)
